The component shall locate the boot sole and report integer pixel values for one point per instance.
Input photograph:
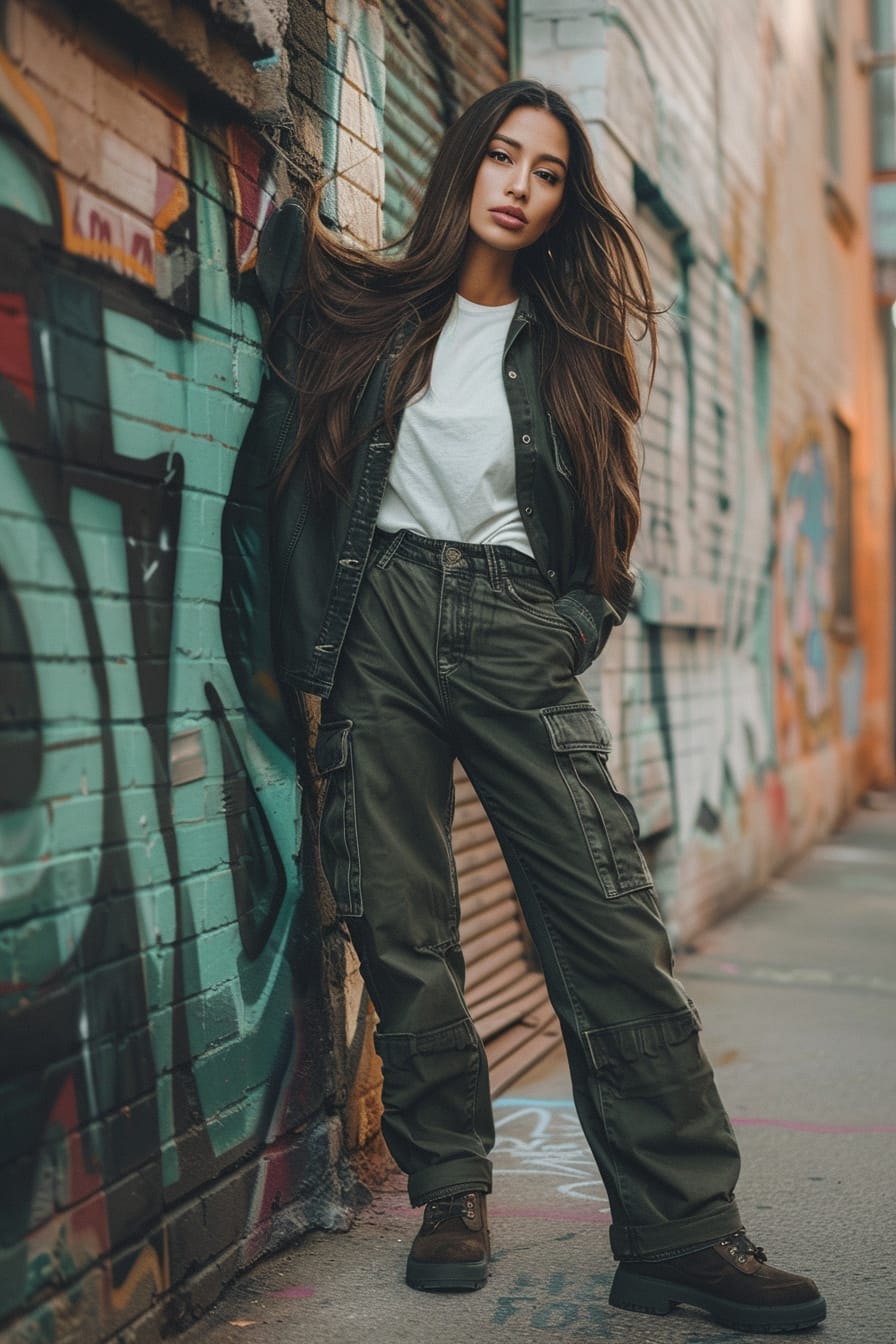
(439, 1277)
(657, 1297)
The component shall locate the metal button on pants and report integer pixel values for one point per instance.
(457, 650)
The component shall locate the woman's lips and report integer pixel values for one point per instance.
(506, 220)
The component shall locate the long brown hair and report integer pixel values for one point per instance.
(587, 279)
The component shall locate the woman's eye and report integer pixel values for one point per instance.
(549, 177)
(498, 155)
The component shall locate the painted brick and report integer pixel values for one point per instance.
(146, 863)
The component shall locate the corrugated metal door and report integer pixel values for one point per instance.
(439, 57)
(506, 992)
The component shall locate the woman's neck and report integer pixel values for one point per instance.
(486, 275)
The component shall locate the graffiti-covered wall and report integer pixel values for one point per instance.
(185, 1056)
(162, 1017)
(750, 693)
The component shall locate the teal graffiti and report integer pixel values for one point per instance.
(807, 532)
(150, 894)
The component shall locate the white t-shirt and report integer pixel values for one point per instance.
(453, 472)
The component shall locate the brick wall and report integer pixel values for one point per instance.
(185, 1056)
(176, 1054)
(749, 708)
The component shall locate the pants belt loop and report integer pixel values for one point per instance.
(495, 568)
(386, 558)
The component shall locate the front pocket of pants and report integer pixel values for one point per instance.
(339, 849)
(540, 607)
(581, 742)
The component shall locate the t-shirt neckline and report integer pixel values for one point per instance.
(496, 309)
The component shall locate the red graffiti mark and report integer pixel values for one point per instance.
(252, 203)
(141, 249)
(99, 229)
(293, 1292)
(15, 345)
(776, 803)
(84, 1177)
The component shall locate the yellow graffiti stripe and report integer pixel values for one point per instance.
(180, 200)
(18, 97)
(146, 1266)
(234, 177)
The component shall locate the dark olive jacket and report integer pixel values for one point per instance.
(318, 554)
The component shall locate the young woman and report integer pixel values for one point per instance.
(455, 510)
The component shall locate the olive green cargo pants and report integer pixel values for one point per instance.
(458, 651)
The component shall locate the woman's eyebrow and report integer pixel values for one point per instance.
(551, 158)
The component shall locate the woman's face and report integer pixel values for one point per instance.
(518, 190)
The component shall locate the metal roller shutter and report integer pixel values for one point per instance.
(505, 991)
(439, 57)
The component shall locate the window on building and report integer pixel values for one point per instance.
(761, 382)
(843, 597)
(830, 94)
(883, 86)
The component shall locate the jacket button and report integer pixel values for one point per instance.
(528, 509)
(511, 373)
(527, 438)
(552, 574)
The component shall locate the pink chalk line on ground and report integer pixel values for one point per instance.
(293, 1292)
(511, 1102)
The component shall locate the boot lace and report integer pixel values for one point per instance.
(450, 1206)
(740, 1247)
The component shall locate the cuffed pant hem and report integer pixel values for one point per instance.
(662, 1241)
(450, 1178)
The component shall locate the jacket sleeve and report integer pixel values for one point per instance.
(246, 593)
(592, 614)
(280, 249)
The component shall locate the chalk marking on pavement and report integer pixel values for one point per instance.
(747, 1121)
(536, 1140)
(796, 977)
(552, 1103)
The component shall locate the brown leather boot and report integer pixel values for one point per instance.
(451, 1250)
(731, 1280)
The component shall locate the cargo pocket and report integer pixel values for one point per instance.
(581, 743)
(655, 1084)
(398, 1049)
(633, 1056)
(339, 850)
(671, 1150)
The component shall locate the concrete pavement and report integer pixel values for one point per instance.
(797, 992)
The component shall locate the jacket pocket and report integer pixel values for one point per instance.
(581, 743)
(340, 852)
